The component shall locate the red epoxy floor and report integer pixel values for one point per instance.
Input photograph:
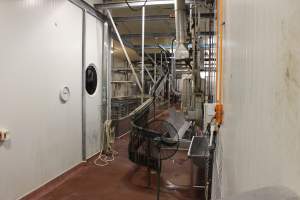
(123, 180)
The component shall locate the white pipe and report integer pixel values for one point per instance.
(155, 67)
(212, 129)
(143, 52)
(124, 50)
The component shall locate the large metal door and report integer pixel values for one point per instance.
(93, 86)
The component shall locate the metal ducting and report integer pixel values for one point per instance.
(180, 22)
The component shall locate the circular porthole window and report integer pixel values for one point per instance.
(91, 79)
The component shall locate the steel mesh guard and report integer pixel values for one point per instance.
(142, 140)
(140, 148)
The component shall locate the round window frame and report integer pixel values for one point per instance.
(89, 87)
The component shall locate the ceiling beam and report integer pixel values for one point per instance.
(138, 3)
(153, 46)
(148, 18)
(156, 17)
(138, 47)
(148, 35)
(159, 35)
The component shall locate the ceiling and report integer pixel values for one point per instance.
(156, 31)
(159, 26)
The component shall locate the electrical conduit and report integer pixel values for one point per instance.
(219, 63)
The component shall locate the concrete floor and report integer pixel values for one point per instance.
(122, 179)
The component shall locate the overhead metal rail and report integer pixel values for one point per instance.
(139, 3)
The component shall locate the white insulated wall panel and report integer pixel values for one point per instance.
(40, 52)
(93, 106)
(261, 131)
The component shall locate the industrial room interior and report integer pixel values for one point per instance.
(149, 99)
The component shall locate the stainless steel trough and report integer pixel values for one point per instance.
(199, 150)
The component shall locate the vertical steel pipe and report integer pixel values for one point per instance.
(143, 52)
(155, 78)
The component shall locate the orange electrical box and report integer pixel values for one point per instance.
(219, 113)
